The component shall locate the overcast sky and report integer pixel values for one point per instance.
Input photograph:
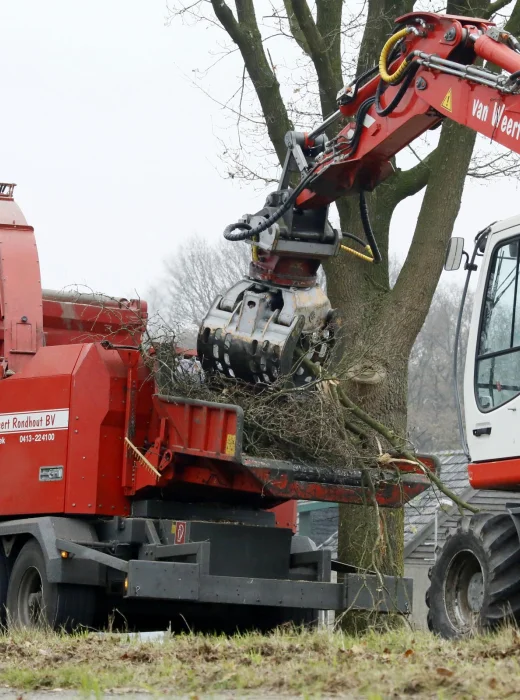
(113, 148)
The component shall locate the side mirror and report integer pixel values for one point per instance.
(454, 254)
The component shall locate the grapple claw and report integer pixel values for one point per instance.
(253, 330)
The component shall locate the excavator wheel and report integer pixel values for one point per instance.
(475, 583)
(33, 601)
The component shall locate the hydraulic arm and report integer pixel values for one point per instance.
(426, 73)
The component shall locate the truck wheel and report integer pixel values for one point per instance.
(475, 583)
(32, 601)
(4, 581)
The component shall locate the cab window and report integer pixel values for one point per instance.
(498, 352)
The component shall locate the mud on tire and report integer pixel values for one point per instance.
(475, 583)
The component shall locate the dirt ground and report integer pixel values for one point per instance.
(290, 664)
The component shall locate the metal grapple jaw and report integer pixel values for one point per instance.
(252, 332)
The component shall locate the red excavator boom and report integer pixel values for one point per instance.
(436, 57)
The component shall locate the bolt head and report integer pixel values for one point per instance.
(450, 34)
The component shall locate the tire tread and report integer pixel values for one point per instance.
(495, 537)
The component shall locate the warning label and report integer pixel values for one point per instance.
(179, 530)
(231, 444)
(447, 102)
(34, 421)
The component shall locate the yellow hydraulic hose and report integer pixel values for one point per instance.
(368, 258)
(383, 60)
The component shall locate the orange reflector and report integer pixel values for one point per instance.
(64, 555)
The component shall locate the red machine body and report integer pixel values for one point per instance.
(84, 433)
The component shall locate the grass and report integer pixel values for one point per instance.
(298, 663)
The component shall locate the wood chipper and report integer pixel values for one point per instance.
(113, 496)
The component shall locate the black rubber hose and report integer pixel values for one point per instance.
(365, 77)
(243, 234)
(360, 119)
(354, 238)
(363, 210)
(408, 77)
(245, 230)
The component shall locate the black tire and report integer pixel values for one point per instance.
(32, 601)
(4, 582)
(475, 583)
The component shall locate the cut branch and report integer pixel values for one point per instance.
(389, 435)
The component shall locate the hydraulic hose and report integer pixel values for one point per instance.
(360, 119)
(411, 70)
(354, 238)
(365, 219)
(242, 235)
(367, 256)
(246, 232)
(387, 77)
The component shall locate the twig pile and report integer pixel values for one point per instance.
(279, 422)
(317, 424)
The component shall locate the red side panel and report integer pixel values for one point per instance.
(98, 402)
(33, 433)
(503, 474)
(202, 428)
(286, 515)
(62, 423)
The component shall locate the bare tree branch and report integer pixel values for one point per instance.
(297, 33)
(246, 35)
(329, 81)
(495, 7)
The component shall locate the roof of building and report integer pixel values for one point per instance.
(420, 510)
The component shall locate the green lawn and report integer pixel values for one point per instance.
(393, 664)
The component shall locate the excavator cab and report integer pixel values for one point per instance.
(475, 581)
(492, 367)
(492, 371)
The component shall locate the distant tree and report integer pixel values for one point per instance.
(432, 417)
(193, 277)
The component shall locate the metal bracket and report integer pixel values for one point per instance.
(87, 553)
